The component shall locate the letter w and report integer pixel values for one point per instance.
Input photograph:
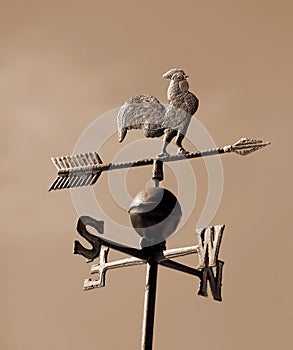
(209, 241)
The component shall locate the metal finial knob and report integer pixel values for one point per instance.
(155, 214)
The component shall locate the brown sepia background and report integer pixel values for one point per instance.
(64, 63)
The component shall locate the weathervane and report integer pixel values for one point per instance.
(155, 212)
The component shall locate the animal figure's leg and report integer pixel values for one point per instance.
(122, 133)
(169, 134)
(179, 140)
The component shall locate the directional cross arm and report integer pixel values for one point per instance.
(180, 267)
(117, 264)
(104, 265)
(177, 252)
(208, 248)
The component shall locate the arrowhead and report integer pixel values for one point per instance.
(246, 146)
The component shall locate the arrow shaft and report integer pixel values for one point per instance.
(94, 169)
(85, 169)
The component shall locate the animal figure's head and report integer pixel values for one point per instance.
(175, 74)
(178, 82)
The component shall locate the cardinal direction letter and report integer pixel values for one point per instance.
(209, 241)
(100, 269)
(214, 281)
(94, 241)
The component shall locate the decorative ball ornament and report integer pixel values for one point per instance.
(155, 214)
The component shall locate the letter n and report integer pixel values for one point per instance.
(214, 281)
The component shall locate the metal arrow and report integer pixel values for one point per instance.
(85, 169)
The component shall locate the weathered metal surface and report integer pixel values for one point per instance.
(158, 173)
(182, 268)
(209, 240)
(100, 282)
(214, 281)
(246, 146)
(74, 171)
(105, 266)
(178, 252)
(163, 259)
(155, 214)
(78, 175)
(147, 113)
(149, 305)
(95, 242)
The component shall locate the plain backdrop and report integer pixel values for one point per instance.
(65, 63)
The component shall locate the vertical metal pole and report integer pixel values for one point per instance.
(149, 306)
(151, 277)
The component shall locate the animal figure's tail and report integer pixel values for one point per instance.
(141, 112)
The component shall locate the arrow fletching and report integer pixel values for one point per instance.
(246, 146)
(76, 170)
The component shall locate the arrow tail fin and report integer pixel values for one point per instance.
(76, 170)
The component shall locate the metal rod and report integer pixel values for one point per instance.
(123, 249)
(117, 264)
(93, 169)
(180, 267)
(176, 252)
(84, 166)
(166, 254)
(149, 305)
